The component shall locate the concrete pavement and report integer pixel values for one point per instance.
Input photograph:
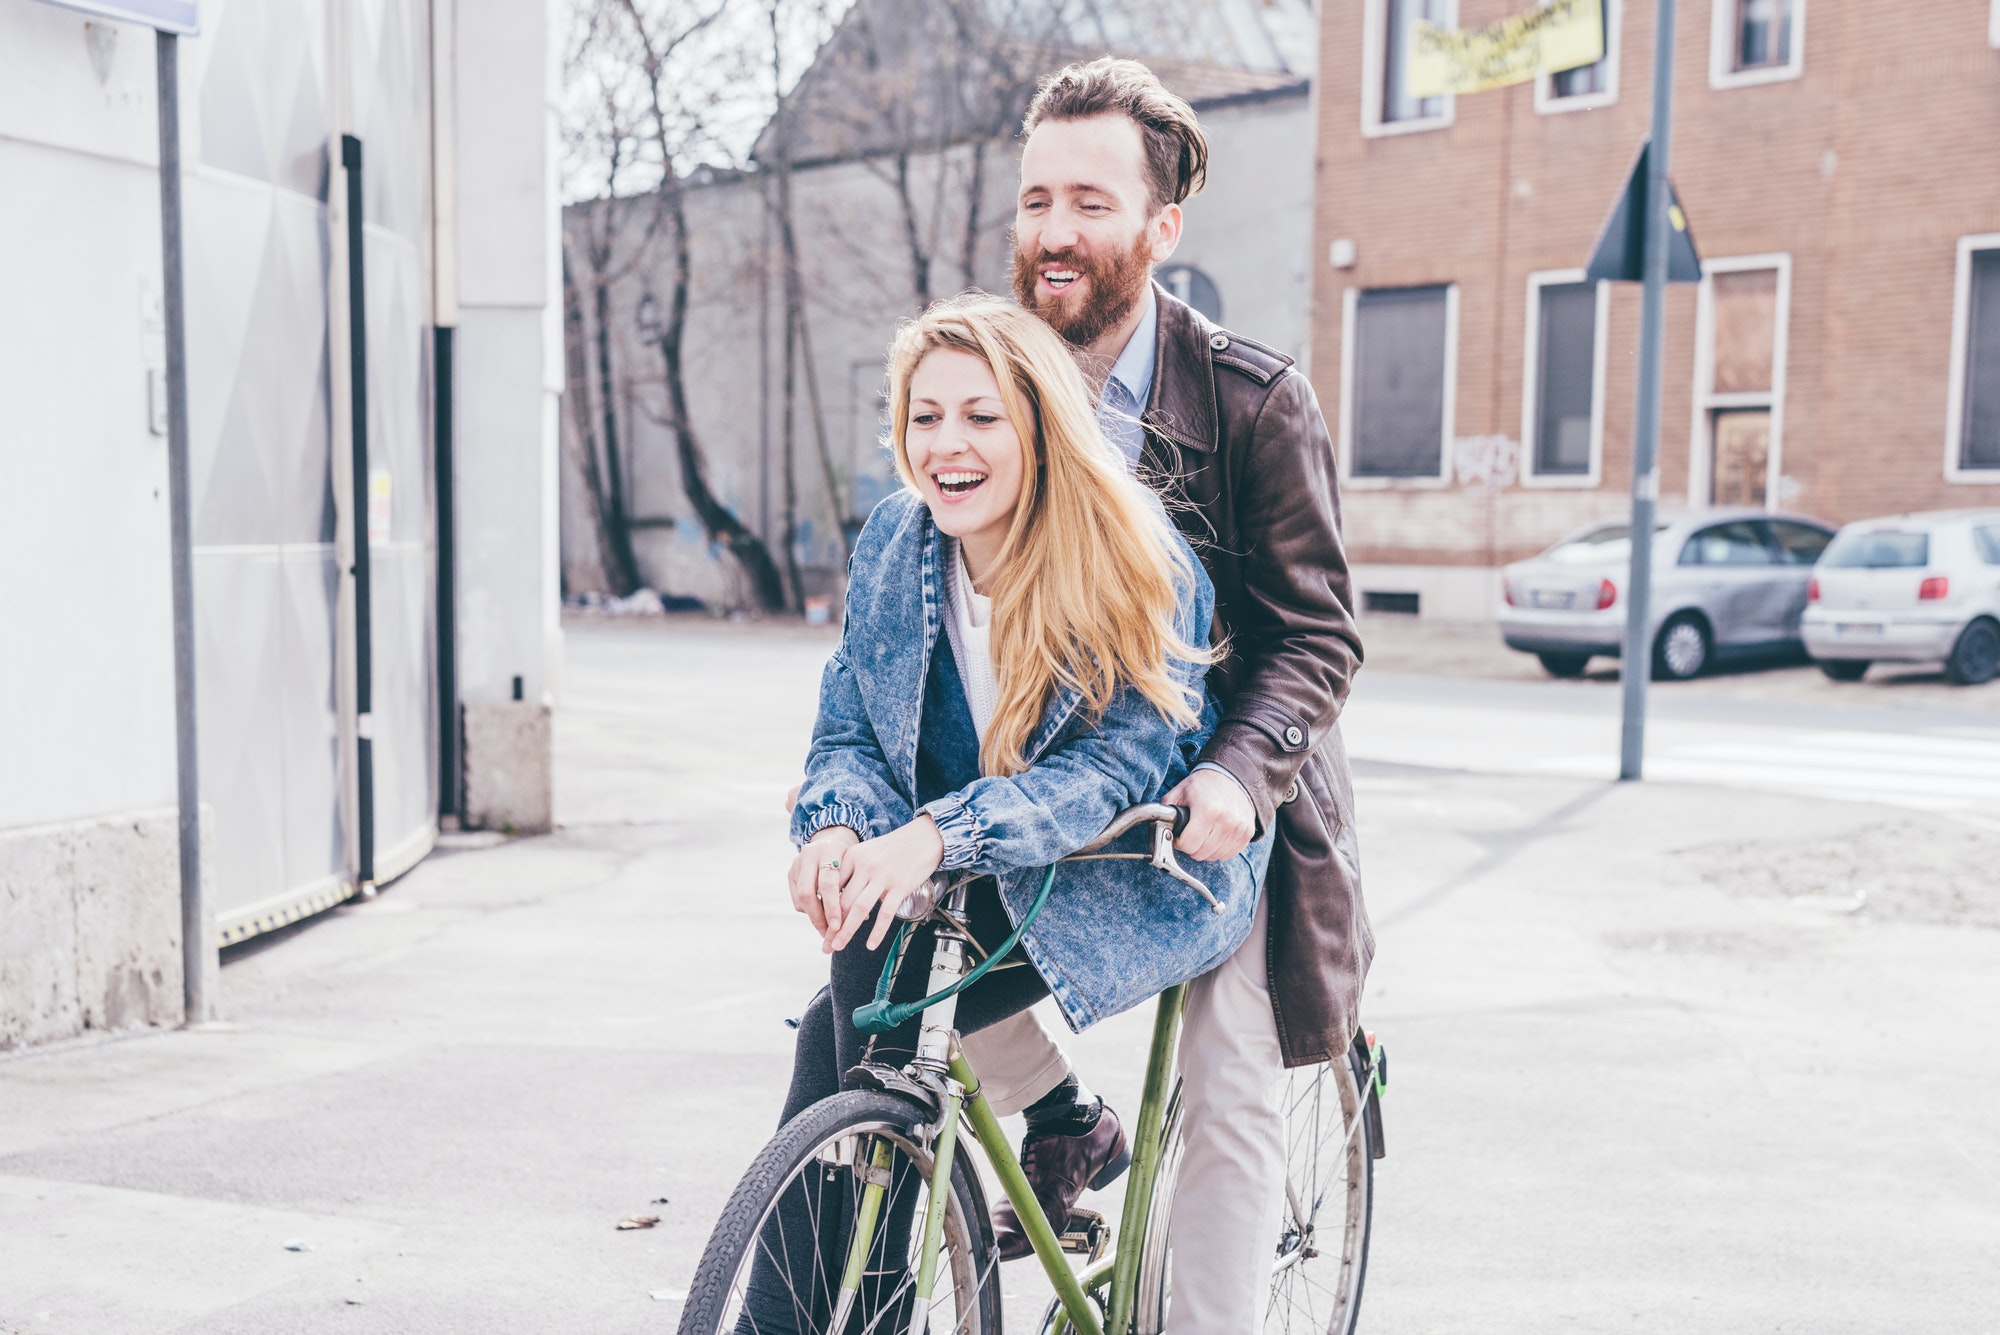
(1671, 1057)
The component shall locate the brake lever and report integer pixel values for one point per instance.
(1164, 860)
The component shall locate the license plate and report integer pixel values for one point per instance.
(1858, 630)
(1545, 598)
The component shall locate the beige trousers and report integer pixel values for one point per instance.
(1232, 1174)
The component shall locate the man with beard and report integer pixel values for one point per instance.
(1233, 437)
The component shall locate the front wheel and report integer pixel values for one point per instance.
(778, 1255)
(1681, 649)
(1976, 657)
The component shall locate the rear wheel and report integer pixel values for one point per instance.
(1976, 656)
(1564, 665)
(1321, 1252)
(789, 1221)
(1681, 649)
(1843, 669)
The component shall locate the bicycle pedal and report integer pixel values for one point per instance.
(1085, 1234)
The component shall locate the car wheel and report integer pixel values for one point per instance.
(1564, 665)
(1976, 656)
(1843, 669)
(1681, 649)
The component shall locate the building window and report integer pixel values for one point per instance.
(1562, 401)
(1586, 86)
(1741, 318)
(1192, 286)
(1756, 41)
(1399, 359)
(1972, 431)
(1387, 107)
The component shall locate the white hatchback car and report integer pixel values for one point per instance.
(1911, 588)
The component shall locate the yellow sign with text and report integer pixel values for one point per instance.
(1560, 35)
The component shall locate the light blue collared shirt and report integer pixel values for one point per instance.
(1123, 402)
(1130, 384)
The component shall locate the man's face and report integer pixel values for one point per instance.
(1086, 234)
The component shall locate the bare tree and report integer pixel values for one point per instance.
(722, 526)
(630, 51)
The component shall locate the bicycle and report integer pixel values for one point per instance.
(909, 1243)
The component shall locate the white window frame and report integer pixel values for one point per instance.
(1531, 387)
(1722, 47)
(1701, 454)
(1993, 27)
(1961, 350)
(1374, 52)
(1350, 306)
(1548, 104)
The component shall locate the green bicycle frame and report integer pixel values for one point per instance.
(964, 1101)
(1121, 1268)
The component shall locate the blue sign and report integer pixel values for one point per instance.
(176, 16)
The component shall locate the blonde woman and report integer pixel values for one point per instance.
(1024, 652)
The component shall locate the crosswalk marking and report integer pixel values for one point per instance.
(1915, 770)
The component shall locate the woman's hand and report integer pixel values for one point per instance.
(817, 874)
(884, 871)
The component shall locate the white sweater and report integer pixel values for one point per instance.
(969, 621)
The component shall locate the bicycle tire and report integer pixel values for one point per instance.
(1308, 1133)
(967, 1273)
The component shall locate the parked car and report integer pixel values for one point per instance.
(1726, 583)
(1909, 589)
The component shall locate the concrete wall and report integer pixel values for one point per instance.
(1865, 169)
(90, 929)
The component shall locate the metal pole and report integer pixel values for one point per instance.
(364, 649)
(1637, 670)
(196, 945)
(447, 573)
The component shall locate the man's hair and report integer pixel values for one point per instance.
(1176, 149)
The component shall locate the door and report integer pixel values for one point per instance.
(1742, 439)
(1735, 581)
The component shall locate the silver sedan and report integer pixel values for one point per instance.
(1726, 583)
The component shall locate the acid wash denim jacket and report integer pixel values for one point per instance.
(1114, 933)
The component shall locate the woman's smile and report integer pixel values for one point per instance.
(956, 483)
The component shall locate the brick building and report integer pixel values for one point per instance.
(1840, 168)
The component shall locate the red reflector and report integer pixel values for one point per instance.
(1507, 592)
(1812, 591)
(1607, 594)
(1934, 588)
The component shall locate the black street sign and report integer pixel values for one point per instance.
(1620, 253)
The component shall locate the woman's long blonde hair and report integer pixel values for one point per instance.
(1087, 584)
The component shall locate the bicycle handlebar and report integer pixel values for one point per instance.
(1132, 817)
(880, 1015)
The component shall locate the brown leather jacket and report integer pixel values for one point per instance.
(1236, 444)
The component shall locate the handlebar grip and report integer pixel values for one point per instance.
(1181, 817)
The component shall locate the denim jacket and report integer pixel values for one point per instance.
(1114, 932)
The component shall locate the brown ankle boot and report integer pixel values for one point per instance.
(1058, 1167)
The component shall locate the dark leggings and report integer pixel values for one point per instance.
(829, 1046)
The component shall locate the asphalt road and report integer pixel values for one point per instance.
(1667, 1057)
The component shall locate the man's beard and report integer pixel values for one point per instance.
(1115, 283)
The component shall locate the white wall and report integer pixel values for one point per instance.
(1251, 229)
(86, 641)
(509, 351)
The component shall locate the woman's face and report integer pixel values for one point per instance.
(966, 454)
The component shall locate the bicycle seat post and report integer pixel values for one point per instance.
(947, 967)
